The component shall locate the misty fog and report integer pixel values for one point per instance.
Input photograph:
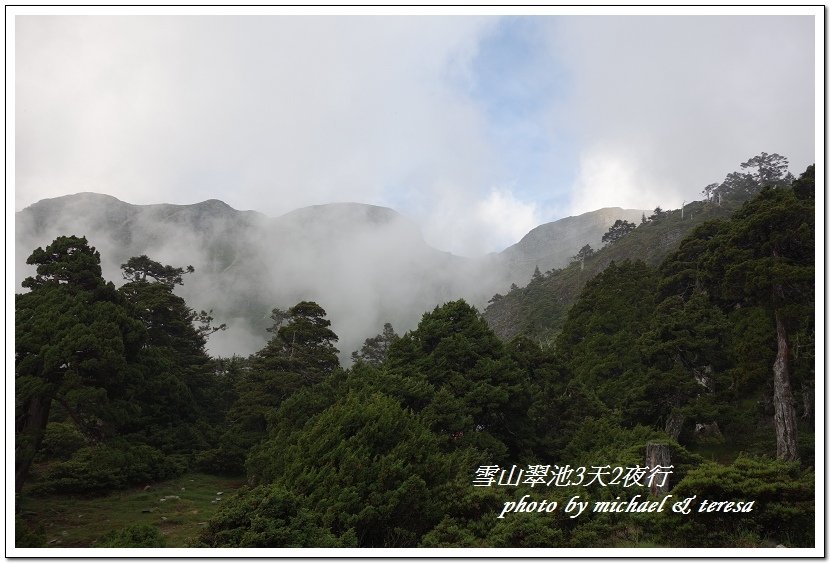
(365, 265)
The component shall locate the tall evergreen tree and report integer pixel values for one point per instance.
(73, 338)
(178, 387)
(599, 340)
(618, 230)
(770, 169)
(765, 258)
(463, 381)
(300, 354)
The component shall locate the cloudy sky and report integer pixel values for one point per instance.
(476, 127)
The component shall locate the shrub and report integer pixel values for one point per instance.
(137, 535)
(106, 467)
(783, 510)
(61, 440)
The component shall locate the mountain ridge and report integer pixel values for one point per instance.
(365, 264)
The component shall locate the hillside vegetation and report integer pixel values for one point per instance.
(538, 310)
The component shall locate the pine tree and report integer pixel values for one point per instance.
(765, 258)
(375, 349)
(177, 388)
(73, 339)
(300, 354)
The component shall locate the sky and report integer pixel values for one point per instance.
(476, 127)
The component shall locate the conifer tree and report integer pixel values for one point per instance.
(73, 339)
(765, 258)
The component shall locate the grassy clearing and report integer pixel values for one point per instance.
(179, 508)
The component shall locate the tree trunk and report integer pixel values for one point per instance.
(786, 433)
(658, 455)
(675, 424)
(807, 396)
(29, 434)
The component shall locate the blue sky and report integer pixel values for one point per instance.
(516, 81)
(478, 128)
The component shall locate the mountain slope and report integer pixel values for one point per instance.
(551, 245)
(538, 310)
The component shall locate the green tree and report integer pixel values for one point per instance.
(599, 340)
(363, 471)
(738, 186)
(469, 389)
(73, 339)
(710, 190)
(268, 516)
(805, 186)
(685, 346)
(618, 230)
(766, 258)
(658, 214)
(584, 253)
(770, 169)
(783, 497)
(300, 354)
(684, 349)
(375, 349)
(176, 394)
(303, 340)
(139, 268)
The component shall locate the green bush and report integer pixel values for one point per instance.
(268, 516)
(61, 440)
(106, 467)
(783, 510)
(137, 535)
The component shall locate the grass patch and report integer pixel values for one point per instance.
(179, 508)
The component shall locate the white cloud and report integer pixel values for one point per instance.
(663, 106)
(610, 178)
(274, 113)
(506, 218)
(269, 113)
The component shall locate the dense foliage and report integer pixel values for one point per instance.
(703, 351)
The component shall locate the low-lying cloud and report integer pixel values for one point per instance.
(473, 126)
